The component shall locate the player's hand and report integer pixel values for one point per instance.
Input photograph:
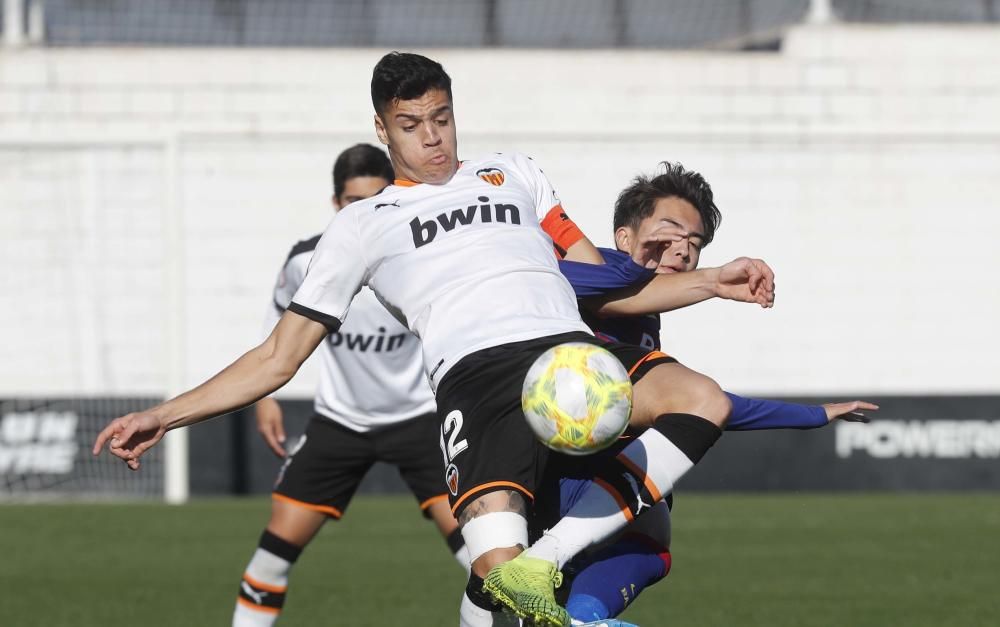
(271, 425)
(852, 411)
(652, 245)
(130, 436)
(747, 280)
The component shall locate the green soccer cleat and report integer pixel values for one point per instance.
(526, 585)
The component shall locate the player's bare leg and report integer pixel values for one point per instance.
(683, 413)
(495, 528)
(265, 582)
(674, 388)
(440, 512)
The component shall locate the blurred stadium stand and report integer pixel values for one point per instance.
(917, 10)
(505, 23)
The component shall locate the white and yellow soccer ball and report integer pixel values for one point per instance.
(577, 398)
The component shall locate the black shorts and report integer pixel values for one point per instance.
(487, 442)
(324, 468)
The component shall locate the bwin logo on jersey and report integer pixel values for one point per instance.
(424, 232)
(359, 342)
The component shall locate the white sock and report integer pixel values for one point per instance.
(458, 549)
(471, 615)
(244, 616)
(262, 590)
(598, 514)
(462, 557)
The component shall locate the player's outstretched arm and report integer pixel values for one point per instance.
(271, 424)
(754, 414)
(744, 280)
(258, 372)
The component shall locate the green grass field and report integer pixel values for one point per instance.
(775, 560)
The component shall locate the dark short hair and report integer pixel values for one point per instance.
(637, 201)
(406, 76)
(360, 160)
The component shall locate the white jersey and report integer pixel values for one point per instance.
(464, 265)
(371, 370)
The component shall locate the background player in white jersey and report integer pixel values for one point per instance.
(459, 253)
(372, 404)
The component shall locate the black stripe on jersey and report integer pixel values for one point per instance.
(304, 246)
(330, 322)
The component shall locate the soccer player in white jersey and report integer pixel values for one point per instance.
(463, 253)
(372, 404)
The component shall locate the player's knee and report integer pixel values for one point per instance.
(703, 397)
(717, 404)
(672, 388)
(491, 536)
(295, 524)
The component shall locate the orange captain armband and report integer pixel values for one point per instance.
(563, 231)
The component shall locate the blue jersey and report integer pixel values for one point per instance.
(619, 272)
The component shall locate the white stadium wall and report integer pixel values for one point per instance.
(148, 196)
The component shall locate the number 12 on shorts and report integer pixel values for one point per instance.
(451, 447)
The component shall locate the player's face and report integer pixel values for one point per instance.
(683, 255)
(420, 136)
(359, 188)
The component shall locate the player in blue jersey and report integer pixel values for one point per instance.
(678, 202)
(680, 205)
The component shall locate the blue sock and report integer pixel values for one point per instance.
(608, 582)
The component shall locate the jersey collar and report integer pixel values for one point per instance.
(409, 183)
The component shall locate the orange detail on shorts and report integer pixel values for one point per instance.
(647, 357)
(266, 587)
(617, 497)
(638, 472)
(563, 231)
(259, 608)
(323, 509)
(492, 484)
(433, 500)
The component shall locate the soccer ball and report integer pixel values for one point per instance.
(577, 398)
